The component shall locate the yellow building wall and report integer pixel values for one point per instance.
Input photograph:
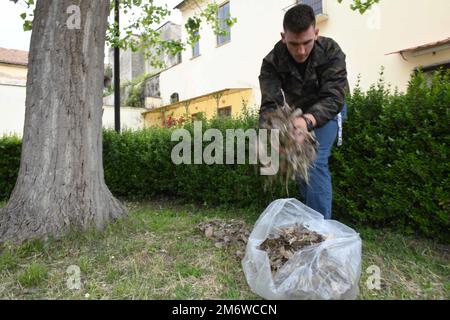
(237, 99)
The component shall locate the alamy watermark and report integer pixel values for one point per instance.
(213, 153)
(374, 280)
(74, 20)
(74, 279)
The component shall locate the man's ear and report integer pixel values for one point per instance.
(283, 37)
(317, 32)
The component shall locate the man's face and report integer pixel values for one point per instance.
(300, 44)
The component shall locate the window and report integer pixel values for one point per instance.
(225, 112)
(317, 5)
(196, 48)
(434, 67)
(428, 71)
(224, 13)
(174, 98)
(178, 59)
(171, 60)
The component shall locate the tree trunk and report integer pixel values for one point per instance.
(61, 182)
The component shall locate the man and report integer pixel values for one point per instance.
(309, 72)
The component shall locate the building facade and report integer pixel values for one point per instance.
(13, 80)
(400, 36)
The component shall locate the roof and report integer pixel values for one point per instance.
(202, 97)
(180, 5)
(423, 46)
(12, 56)
(166, 23)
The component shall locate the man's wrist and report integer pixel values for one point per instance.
(310, 123)
(312, 118)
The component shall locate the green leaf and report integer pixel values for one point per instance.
(27, 25)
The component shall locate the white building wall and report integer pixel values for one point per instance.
(365, 39)
(12, 112)
(390, 26)
(12, 109)
(233, 65)
(12, 104)
(130, 118)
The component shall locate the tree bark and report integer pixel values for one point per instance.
(61, 181)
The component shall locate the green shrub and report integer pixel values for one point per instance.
(138, 165)
(10, 149)
(393, 168)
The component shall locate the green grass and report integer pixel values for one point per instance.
(158, 253)
(33, 276)
(410, 268)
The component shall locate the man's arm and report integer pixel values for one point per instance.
(271, 95)
(333, 88)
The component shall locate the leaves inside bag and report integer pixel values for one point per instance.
(282, 245)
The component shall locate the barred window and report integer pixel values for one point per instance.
(225, 112)
(317, 5)
(196, 48)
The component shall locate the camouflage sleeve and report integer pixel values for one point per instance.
(271, 95)
(334, 86)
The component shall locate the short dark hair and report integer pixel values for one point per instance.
(299, 18)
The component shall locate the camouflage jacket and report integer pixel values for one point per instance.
(321, 92)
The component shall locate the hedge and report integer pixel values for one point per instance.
(392, 170)
(138, 165)
(10, 150)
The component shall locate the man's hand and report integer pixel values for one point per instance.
(299, 126)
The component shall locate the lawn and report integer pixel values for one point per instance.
(159, 253)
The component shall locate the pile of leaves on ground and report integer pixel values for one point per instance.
(280, 247)
(224, 234)
(286, 241)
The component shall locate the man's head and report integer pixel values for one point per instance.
(300, 32)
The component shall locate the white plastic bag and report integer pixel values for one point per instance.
(327, 270)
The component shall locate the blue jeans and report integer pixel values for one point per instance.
(318, 194)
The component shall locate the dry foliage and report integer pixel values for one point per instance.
(295, 158)
(286, 241)
(226, 233)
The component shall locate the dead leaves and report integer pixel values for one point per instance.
(209, 232)
(286, 241)
(295, 158)
(280, 247)
(224, 234)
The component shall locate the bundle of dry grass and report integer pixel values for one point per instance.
(295, 158)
